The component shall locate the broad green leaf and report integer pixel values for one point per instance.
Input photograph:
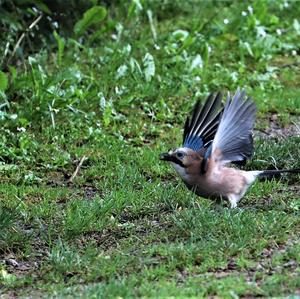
(121, 71)
(13, 72)
(205, 53)
(3, 81)
(134, 65)
(92, 16)
(247, 47)
(296, 26)
(134, 8)
(106, 108)
(149, 67)
(180, 35)
(151, 22)
(40, 4)
(61, 45)
(197, 62)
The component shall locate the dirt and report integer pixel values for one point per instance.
(263, 265)
(277, 131)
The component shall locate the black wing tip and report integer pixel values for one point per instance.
(199, 120)
(189, 122)
(186, 128)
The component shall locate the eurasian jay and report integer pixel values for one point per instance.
(214, 137)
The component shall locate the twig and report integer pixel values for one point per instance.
(34, 23)
(84, 157)
(296, 63)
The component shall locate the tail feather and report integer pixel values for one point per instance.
(275, 172)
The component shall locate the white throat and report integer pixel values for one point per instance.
(181, 171)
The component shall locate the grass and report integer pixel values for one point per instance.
(126, 226)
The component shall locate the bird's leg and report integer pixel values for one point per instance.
(233, 199)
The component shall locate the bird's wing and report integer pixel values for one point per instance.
(233, 140)
(200, 130)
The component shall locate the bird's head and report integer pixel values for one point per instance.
(184, 160)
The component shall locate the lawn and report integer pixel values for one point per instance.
(106, 99)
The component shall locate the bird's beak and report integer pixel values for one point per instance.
(166, 157)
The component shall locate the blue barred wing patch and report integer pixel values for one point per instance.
(200, 130)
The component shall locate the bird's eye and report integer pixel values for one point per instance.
(180, 155)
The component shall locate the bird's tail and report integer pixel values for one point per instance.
(274, 173)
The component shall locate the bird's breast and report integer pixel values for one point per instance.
(216, 183)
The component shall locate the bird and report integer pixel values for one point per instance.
(215, 137)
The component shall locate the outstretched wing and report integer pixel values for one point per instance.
(233, 140)
(200, 130)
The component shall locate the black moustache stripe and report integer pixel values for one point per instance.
(177, 161)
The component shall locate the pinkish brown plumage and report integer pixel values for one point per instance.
(213, 138)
